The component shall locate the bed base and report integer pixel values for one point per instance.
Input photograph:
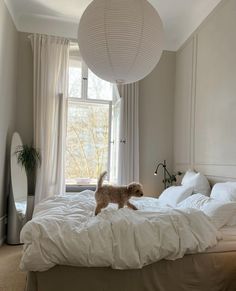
(205, 272)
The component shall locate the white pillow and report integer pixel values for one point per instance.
(196, 201)
(224, 192)
(175, 194)
(198, 181)
(188, 176)
(220, 213)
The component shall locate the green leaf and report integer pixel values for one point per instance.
(28, 157)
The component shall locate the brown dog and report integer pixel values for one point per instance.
(106, 194)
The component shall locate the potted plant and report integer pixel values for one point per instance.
(29, 158)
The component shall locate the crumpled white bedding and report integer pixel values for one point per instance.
(228, 241)
(64, 231)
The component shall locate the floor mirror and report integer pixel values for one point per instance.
(17, 203)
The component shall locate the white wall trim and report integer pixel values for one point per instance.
(193, 101)
(219, 171)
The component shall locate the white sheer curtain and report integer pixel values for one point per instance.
(50, 72)
(128, 162)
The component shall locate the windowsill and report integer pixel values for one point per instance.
(79, 188)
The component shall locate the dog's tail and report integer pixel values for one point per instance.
(100, 179)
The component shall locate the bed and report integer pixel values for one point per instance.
(205, 258)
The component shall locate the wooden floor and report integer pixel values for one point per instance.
(11, 278)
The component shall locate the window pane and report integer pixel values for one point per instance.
(87, 142)
(75, 78)
(98, 88)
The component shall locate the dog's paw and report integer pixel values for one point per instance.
(131, 206)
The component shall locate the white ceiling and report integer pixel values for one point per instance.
(61, 17)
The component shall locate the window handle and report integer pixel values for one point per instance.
(85, 78)
(122, 141)
(112, 141)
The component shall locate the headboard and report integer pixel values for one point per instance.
(212, 179)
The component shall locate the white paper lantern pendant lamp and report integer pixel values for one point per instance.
(121, 40)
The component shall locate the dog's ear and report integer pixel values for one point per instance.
(131, 186)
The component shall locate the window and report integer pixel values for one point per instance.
(89, 128)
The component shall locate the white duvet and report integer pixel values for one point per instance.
(64, 231)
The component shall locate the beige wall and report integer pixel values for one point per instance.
(24, 117)
(205, 98)
(156, 122)
(8, 80)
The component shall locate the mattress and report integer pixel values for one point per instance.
(228, 242)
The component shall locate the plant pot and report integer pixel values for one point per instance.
(30, 207)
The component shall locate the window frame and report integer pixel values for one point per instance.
(84, 99)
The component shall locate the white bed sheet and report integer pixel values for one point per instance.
(228, 242)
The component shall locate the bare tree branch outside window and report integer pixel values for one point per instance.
(87, 129)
